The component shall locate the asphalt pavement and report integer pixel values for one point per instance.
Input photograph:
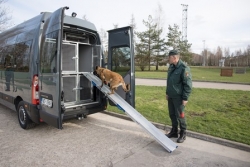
(102, 140)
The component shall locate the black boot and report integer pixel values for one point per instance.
(173, 133)
(182, 136)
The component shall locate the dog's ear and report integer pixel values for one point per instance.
(96, 67)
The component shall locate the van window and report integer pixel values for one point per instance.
(16, 56)
(1, 58)
(22, 56)
(7, 57)
(8, 60)
(121, 60)
(3, 54)
(49, 53)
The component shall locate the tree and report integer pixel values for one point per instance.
(209, 59)
(218, 54)
(132, 22)
(174, 37)
(115, 25)
(84, 17)
(140, 58)
(227, 56)
(4, 16)
(174, 40)
(133, 25)
(186, 55)
(148, 46)
(226, 52)
(248, 55)
(160, 47)
(104, 41)
(120, 58)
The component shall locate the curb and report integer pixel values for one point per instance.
(192, 134)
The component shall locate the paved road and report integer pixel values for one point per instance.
(196, 84)
(104, 141)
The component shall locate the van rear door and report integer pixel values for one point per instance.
(50, 70)
(121, 60)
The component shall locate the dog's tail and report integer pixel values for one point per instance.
(126, 87)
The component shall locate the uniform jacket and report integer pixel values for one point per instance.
(179, 81)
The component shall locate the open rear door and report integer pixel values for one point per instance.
(50, 70)
(121, 60)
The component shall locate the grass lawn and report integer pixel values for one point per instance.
(220, 113)
(198, 74)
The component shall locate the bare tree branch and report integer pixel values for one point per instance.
(5, 16)
(84, 17)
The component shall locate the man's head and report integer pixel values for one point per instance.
(173, 57)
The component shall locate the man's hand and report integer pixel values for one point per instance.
(184, 102)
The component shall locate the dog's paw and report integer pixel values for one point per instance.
(110, 93)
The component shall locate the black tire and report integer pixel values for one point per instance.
(23, 117)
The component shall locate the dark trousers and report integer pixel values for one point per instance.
(175, 108)
(8, 79)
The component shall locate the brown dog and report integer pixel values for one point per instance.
(114, 79)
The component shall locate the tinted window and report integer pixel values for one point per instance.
(49, 53)
(121, 60)
(16, 56)
(22, 56)
(3, 54)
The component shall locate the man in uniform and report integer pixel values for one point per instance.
(179, 87)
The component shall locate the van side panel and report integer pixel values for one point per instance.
(19, 49)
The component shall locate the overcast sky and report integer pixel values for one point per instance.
(224, 23)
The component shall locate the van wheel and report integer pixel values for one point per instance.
(23, 117)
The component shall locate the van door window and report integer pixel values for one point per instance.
(49, 53)
(121, 60)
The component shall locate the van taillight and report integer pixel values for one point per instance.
(35, 89)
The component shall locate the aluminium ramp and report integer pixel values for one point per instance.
(168, 144)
